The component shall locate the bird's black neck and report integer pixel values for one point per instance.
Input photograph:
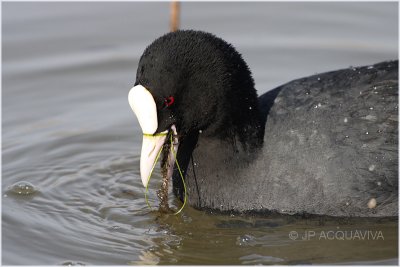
(203, 157)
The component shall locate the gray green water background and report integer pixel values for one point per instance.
(68, 130)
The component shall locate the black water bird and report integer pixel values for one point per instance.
(324, 145)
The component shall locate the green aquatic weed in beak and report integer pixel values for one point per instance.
(145, 109)
(179, 169)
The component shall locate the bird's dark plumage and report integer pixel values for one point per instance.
(200, 69)
(324, 145)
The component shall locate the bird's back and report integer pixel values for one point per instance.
(330, 144)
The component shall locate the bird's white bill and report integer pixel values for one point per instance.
(151, 147)
(144, 107)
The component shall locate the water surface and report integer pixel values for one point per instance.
(69, 135)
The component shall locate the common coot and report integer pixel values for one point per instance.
(324, 145)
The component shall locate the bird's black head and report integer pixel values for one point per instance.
(199, 83)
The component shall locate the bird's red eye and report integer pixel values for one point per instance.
(169, 101)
